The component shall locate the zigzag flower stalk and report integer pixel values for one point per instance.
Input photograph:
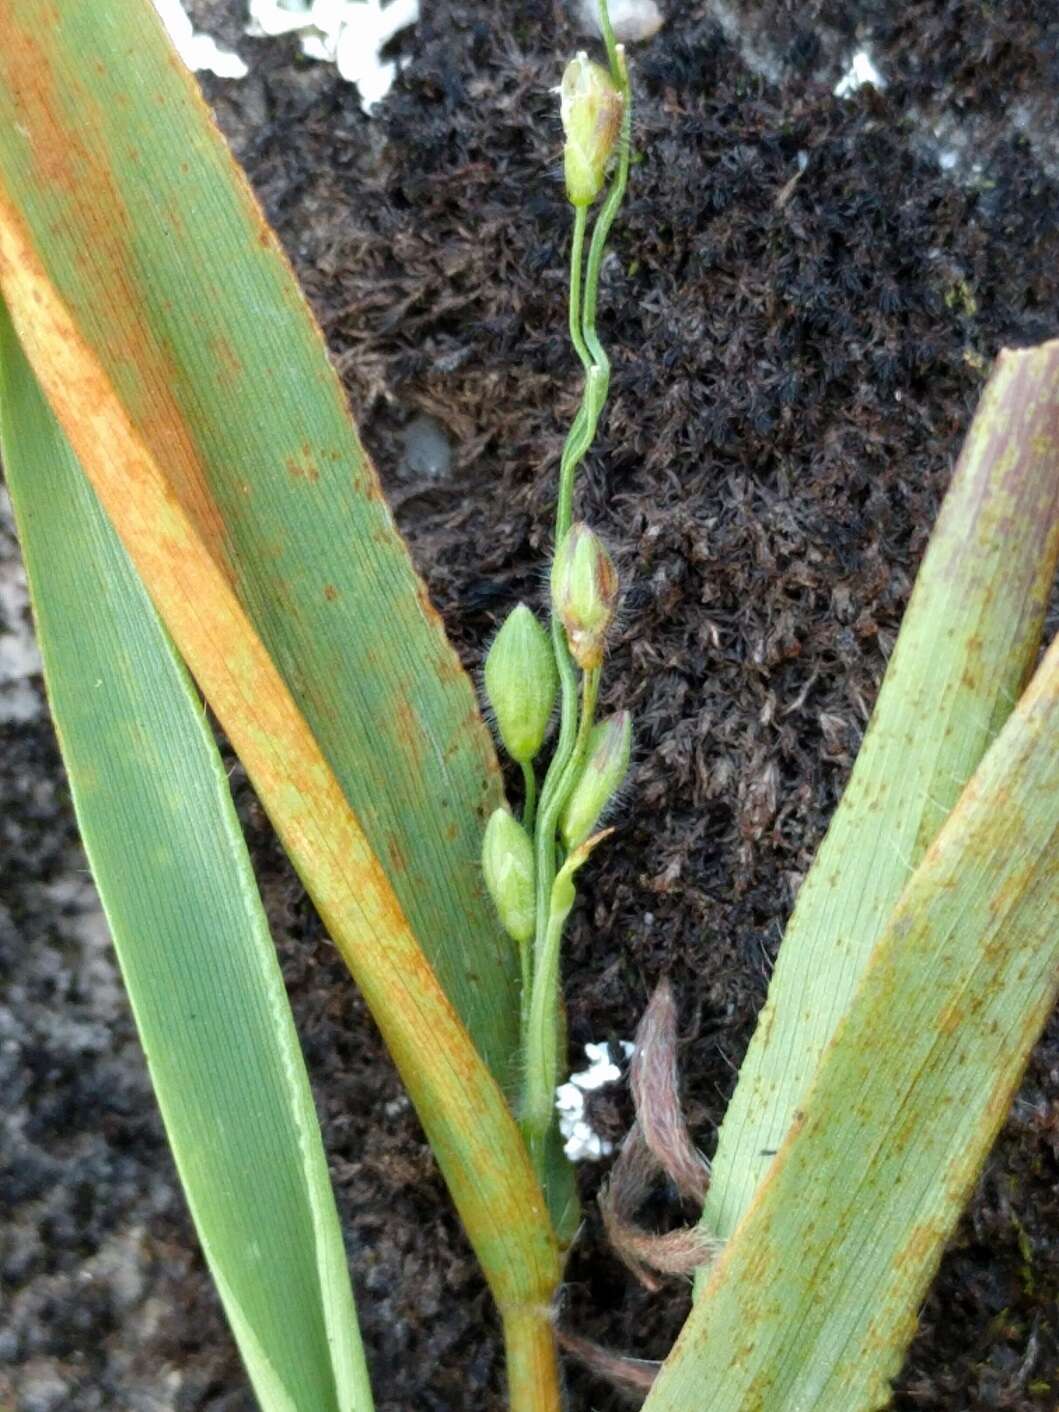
(524, 668)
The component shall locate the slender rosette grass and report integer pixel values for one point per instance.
(606, 765)
(507, 862)
(591, 107)
(584, 594)
(530, 866)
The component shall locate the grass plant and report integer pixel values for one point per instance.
(202, 528)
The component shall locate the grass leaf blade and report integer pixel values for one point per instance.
(967, 643)
(199, 966)
(191, 483)
(816, 1295)
(152, 238)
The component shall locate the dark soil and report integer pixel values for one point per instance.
(801, 307)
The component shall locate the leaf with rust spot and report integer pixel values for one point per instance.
(203, 338)
(968, 641)
(919, 1027)
(176, 350)
(152, 801)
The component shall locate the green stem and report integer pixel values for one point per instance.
(545, 1028)
(525, 948)
(553, 796)
(529, 803)
(605, 219)
(576, 260)
(585, 339)
(533, 1378)
(617, 67)
(590, 696)
(541, 1049)
(541, 1020)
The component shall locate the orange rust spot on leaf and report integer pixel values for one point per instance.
(229, 368)
(426, 606)
(302, 470)
(330, 592)
(398, 861)
(951, 1018)
(409, 729)
(921, 1247)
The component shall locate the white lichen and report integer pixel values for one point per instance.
(582, 1142)
(351, 34)
(199, 51)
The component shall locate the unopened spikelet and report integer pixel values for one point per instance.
(606, 765)
(521, 683)
(507, 862)
(590, 106)
(584, 594)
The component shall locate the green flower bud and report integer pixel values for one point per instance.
(606, 765)
(507, 862)
(590, 106)
(584, 594)
(521, 683)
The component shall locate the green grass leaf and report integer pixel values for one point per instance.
(817, 1293)
(178, 354)
(166, 851)
(968, 640)
(112, 169)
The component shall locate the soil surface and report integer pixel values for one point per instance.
(803, 299)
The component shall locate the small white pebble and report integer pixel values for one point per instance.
(348, 33)
(861, 71)
(632, 21)
(201, 53)
(270, 17)
(318, 46)
(582, 1144)
(597, 1077)
(570, 1100)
